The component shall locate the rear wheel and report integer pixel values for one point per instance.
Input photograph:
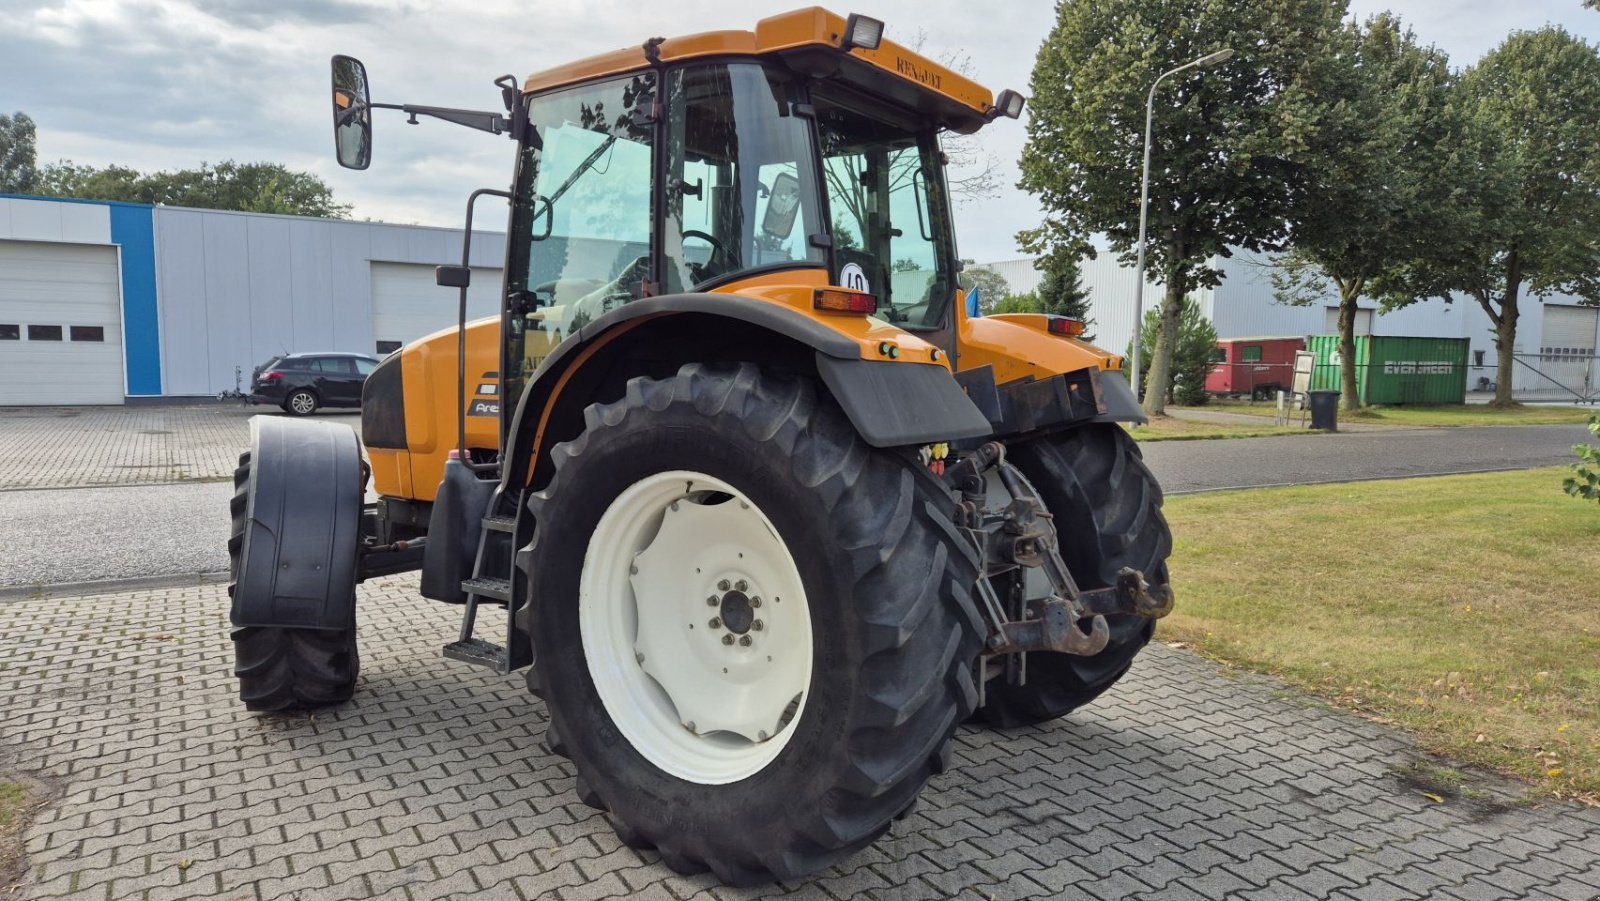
(754, 630)
(1107, 509)
(300, 402)
(284, 669)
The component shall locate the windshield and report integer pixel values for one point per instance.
(890, 219)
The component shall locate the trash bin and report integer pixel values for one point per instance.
(1325, 410)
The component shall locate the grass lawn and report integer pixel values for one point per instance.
(1441, 416)
(1465, 608)
(13, 802)
(1168, 428)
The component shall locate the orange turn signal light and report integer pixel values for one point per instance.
(1061, 325)
(833, 300)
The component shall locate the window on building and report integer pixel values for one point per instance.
(10, 332)
(388, 347)
(1477, 358)
(44, 333)
(1250, 354)
(88, 333)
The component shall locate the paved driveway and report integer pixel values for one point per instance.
(1186, 782)
(76, 447)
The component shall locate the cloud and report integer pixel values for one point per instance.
(162, 84)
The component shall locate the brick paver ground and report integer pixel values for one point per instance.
(1186, 782)
(73, 447)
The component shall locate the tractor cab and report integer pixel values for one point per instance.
(805, 152)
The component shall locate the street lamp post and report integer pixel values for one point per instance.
(1144, 200)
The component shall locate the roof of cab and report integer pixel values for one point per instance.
(807, 29)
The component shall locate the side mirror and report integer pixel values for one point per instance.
(782, 206)
(352, 113)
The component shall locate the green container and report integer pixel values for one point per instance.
(1393, 371)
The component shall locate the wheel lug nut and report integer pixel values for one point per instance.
(762, 736)
(755, 601)
(727, 639)
(690, 726)
(716, 622)
(757, 625)
(723, 585)
(712, 601)
(638, 657)
(743, 642)
(742, 585)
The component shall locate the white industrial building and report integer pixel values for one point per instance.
(107, 303)
(1556, 335)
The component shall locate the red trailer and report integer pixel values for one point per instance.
(1256, 367)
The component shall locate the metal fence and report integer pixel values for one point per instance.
(1549, 376)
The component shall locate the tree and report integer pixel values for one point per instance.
(1231, 146)
(1526, 168)
(1379, 198)
(1191, 355)
(252, 187)
(1585, 482)
(991, 285)
(1061, 290)
(17, 151)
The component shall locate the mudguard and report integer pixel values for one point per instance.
(297, 563)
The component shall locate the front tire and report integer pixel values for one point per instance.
(282, 670)
(856, 535)
(1107, 509)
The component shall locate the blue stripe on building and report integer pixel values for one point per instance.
(133, 228)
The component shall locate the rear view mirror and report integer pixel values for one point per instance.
(352, 113)
(782, 206)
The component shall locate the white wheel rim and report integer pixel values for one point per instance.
(301, 403)
(700, 708)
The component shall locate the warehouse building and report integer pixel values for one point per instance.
(110, 303)
(1557, 336)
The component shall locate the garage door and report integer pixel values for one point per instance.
(1566, 355)
(406, 304)
(60, 324)
(1330, 321)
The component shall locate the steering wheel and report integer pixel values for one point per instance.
(713, 266)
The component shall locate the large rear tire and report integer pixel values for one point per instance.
(729, 482)
(282, 670)
(1107, 508)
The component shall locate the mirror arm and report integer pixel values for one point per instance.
(494, 123)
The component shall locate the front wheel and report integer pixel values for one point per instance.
(753, 628)
(283, 669)
(1107, 509)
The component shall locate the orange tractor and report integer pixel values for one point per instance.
(767, 513)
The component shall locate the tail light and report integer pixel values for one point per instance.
(270, 376)
(832, 300)
(1061, 325)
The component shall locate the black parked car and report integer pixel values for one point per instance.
(301, 383)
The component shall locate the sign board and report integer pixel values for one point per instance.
(1304, 363)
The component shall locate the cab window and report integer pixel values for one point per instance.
(740, 189)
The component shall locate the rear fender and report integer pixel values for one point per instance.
(906, 400)
(297, 563)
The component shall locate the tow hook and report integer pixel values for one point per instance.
(1022, 534)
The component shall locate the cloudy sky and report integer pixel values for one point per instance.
(160, 84)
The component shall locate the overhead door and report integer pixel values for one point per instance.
(60, 324)
(1330, 321)
(407, 304)
(1566, 355)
